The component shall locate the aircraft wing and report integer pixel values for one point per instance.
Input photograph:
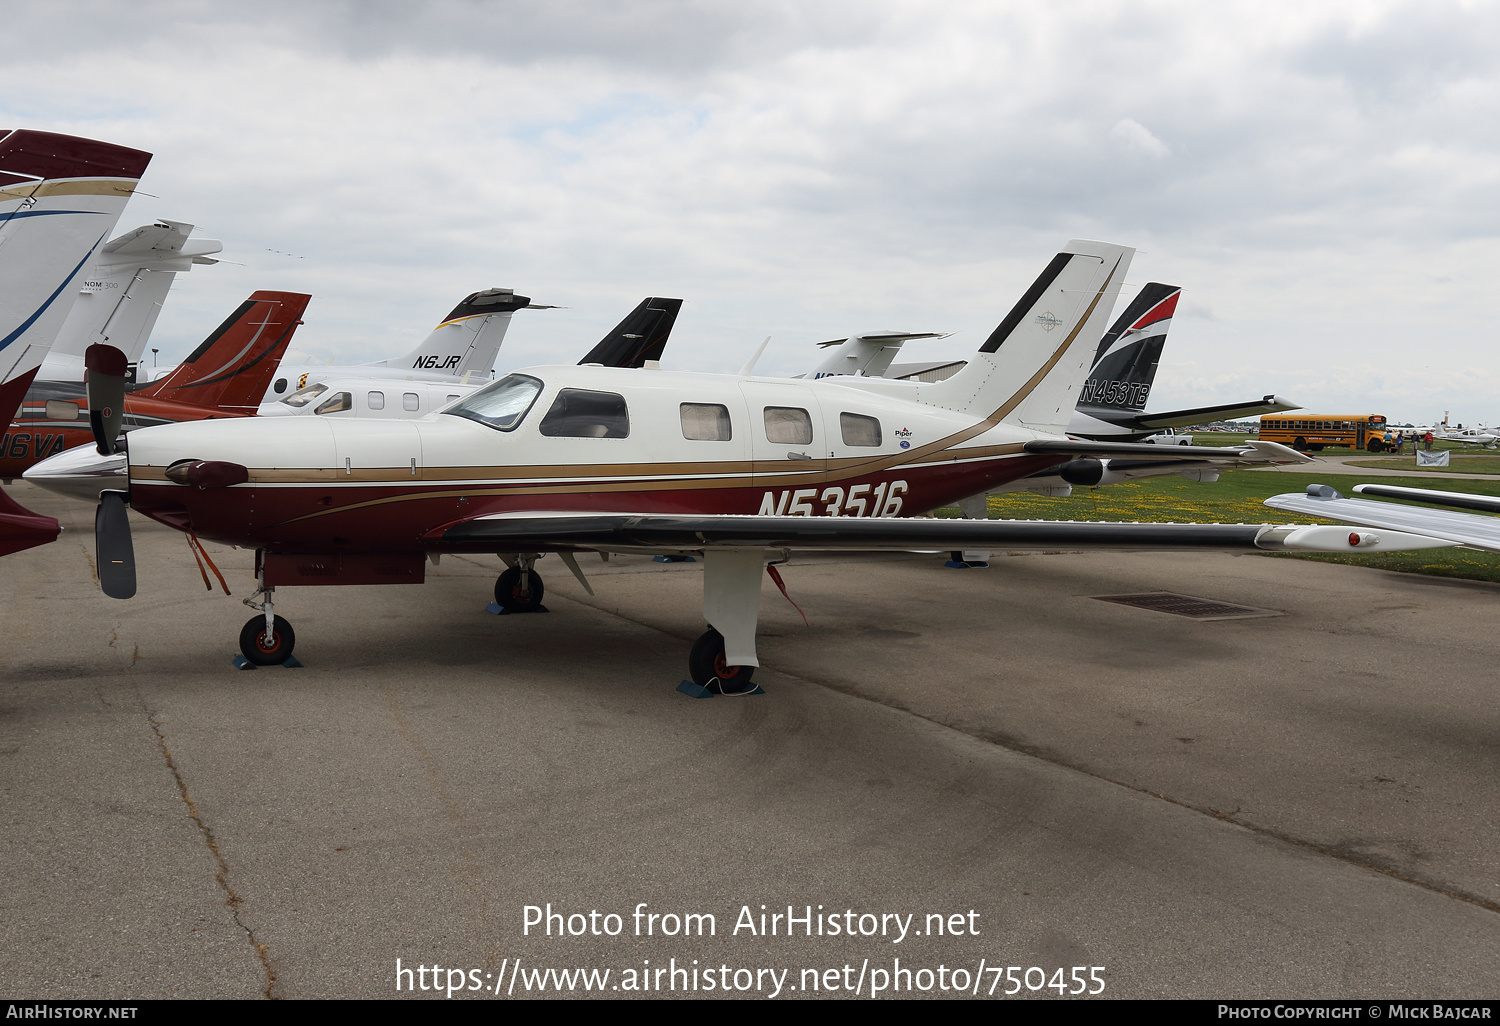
(1251, 453)
(1471, 529)
(1229, 411)
(531, 532)
(1462, 500)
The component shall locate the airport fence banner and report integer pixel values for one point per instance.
(1432, 459)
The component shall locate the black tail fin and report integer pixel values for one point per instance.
(1125, 362)
(641, 336)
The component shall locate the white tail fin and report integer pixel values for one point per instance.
(465, 344)
(1029, 371)
(122, 292)
(60, 197)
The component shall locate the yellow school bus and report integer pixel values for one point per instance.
(1313, 431)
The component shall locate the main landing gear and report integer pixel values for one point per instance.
(519, 589)
(266, 639)
(709, 668)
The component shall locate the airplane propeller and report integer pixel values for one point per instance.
(113, 550)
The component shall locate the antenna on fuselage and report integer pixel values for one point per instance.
(750, 366)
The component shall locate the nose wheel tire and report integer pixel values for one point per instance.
(509, 595)
(253, 641)
(708, 669)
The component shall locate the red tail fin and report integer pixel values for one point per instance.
(19, 527)
(233, 367)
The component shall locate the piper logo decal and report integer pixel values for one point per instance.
(859, 500)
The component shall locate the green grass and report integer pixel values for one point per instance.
(1237, 498)
(1456, 465)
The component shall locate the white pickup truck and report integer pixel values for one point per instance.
(1169, 436)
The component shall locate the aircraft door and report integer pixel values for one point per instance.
(788, 445)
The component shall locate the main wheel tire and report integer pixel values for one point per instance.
(510, 597)
(708, 669)
(253, 641)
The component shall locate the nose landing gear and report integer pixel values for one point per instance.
(266, 639)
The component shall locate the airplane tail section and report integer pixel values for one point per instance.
(641, 336)
(1126, 360)
(60, 197)
(466, 342)
(233, 367)
(123, 290)
(1031, 368)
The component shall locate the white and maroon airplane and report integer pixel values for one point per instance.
(734, 468)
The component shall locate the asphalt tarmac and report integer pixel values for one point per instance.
(1297, 805)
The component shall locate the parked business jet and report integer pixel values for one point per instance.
(60, 197)
(635, 341)
(734, 468)
(461, 348)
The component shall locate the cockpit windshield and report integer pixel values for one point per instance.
(501, 405)
(303, 396)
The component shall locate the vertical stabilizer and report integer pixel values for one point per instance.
(60, 197)
(232, 368)
(122, 292)
(464, 345)
(641, 336)
(1126, 360)
(1031, 368)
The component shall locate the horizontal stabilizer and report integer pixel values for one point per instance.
(1205, 414)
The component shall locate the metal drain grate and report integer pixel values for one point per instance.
(1187, 605)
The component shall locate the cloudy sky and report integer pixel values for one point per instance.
(1319, 177)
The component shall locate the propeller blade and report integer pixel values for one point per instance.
(112, 546)
(106, 391)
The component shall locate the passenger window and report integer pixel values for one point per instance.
(501, 405)
(280, 385)
(411, 402)
(340, 402)
(582, 413)
(859, 430)
(376, 400)
(788, 425)
(706, 422)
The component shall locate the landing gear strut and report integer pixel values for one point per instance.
(266, 639)
(519, 589)
(709, 669)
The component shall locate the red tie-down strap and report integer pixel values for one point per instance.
(776, 576)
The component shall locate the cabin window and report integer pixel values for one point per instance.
(583, 413)
(858, 430)
(376, 400)
(411, 402)
(340, 402)
(452, 397)
(706, 422)
(788, 425)
(303, 396)
(280, 385)
(501, 405)
(61, 409)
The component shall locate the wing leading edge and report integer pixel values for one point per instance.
(655, 532)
